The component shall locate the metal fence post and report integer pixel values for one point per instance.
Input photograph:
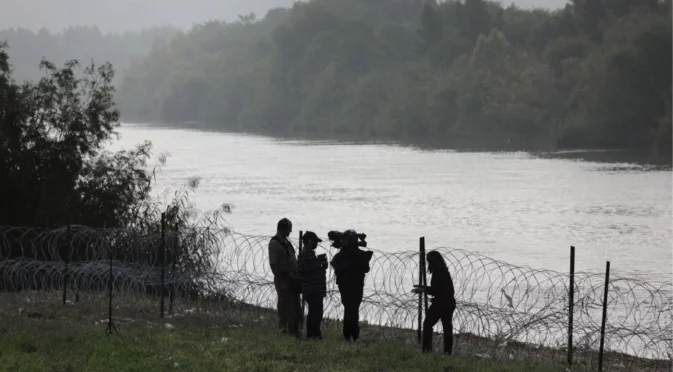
(67, 250)
(420, 296)
(162, 258)
(422, 280)
(425, 276)
(174, 252)
(605, 314)
(110, 325)
(571, 305)
(303, 300)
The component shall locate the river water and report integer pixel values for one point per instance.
(515, 207)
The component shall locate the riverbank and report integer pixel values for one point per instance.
(535, 149)
(39, 334)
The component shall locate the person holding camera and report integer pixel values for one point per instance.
(312, 271)
(283, 262)
(443, 304)
(350, 265)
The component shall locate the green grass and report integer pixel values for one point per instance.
(68, 339)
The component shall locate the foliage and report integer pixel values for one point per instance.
(53, 162)
(55, 171)
(471, 72)
(49, 130)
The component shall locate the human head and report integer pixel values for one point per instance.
(284, 228)
(436, 262)
(350, 239)
(310, 240)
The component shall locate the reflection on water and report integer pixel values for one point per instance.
(617, 160)
(522, 208)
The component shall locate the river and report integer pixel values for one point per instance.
(512, 206)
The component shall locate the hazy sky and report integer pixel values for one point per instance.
(123, 15)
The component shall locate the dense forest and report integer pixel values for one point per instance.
(596, 73)
(27, 48)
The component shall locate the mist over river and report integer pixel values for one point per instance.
(514, 207)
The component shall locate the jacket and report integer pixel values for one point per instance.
(283, 262)
(441, 288)
(350, 266)
(312, 273)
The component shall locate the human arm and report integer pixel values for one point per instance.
(278, 260)
(441, 283)
(308, 263)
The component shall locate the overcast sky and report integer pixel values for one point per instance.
(123, 15)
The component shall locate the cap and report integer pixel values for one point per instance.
(310, 235)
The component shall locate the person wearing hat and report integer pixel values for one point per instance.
(312, 271)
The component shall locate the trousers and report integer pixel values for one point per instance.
(314, 317)
(351, 298)
(289, 311)
(436, 312)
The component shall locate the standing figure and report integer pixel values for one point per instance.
(283, 262)
(350, 265)
(443, 304)
(312, 271)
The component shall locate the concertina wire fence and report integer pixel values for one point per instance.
(498, 303)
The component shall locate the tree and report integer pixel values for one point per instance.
(51, 136)
(474, 19)
(461, 71)
(431, 27)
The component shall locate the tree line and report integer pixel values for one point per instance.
(593, 74)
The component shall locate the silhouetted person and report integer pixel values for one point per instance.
(443, 304)
(312, 271)
(350, 265)
(283, 261)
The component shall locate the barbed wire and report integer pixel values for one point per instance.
(497, 301)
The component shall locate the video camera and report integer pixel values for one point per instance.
(340, 239)
(322, 258)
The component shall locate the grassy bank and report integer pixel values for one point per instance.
(37, 334)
